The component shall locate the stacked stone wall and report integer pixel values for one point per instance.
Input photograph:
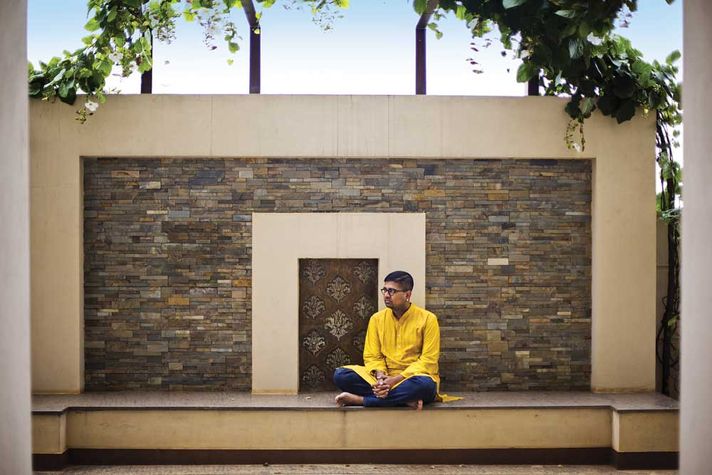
(167, 256)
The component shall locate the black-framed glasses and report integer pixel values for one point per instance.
(390, 292)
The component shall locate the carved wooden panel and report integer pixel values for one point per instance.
(336, 299)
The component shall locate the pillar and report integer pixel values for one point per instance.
(14, 243)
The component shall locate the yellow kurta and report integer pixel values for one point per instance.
(409, 346)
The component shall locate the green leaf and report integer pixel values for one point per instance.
(233, 47)
(188, 15)
(587, 106)
(626, 111)
(460, 12)
(419, 6)
(434, 28)
(575, 48)
(34, 88)
(566, 13)
(67, 93)
(526, 71)
(641, 68)
(92, 25)
(105, 67)
(112, 14)
(608, 104)
(672, 57)
(569, 30)
(623, 87)
(507, 4)
(572, 108)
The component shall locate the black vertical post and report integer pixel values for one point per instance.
(147, 76)
(255, 34)
(533, 86)
(420, 50)
(420, 70)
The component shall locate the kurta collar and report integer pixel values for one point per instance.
(405, 315)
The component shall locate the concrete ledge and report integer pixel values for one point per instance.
(631, 430)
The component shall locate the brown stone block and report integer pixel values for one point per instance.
(498, 196)
(176, 300)
(125, 174)
(497, 346)
(494, 335)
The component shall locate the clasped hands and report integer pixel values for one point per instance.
(384, 383)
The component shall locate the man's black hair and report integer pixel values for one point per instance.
(402, 277)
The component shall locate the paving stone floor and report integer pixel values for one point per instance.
(353, 469)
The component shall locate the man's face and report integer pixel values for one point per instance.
(395, 296)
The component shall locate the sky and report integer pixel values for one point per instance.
(371, 50)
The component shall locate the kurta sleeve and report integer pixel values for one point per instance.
(427, 363)
(373, 358)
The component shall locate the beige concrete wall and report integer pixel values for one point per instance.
(484, 428)
(645, 431)
(329, 429)
(279, 240)
(623, 228)
(49, 433)
(696, 391)
(14, 243)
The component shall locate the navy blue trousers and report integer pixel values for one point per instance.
(410, 390)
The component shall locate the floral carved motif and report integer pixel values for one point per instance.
(314, 342)
(314, 271)
(313, 376)
(339, 324)
(338, 289)
(364, 272)
(313, 307)
(364, 308)
(337, 358)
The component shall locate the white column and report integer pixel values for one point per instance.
(14, 243)
(696, 391)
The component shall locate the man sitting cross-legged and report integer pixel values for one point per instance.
(400, 354)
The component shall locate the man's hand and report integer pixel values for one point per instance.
(385, 383)
(392, 380)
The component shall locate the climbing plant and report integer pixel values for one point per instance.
(121, 34)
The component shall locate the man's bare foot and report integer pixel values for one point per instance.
(348, 399)
(417, 405)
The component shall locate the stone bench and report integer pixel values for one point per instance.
(625, 430)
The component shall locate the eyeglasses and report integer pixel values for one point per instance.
(390, 292)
